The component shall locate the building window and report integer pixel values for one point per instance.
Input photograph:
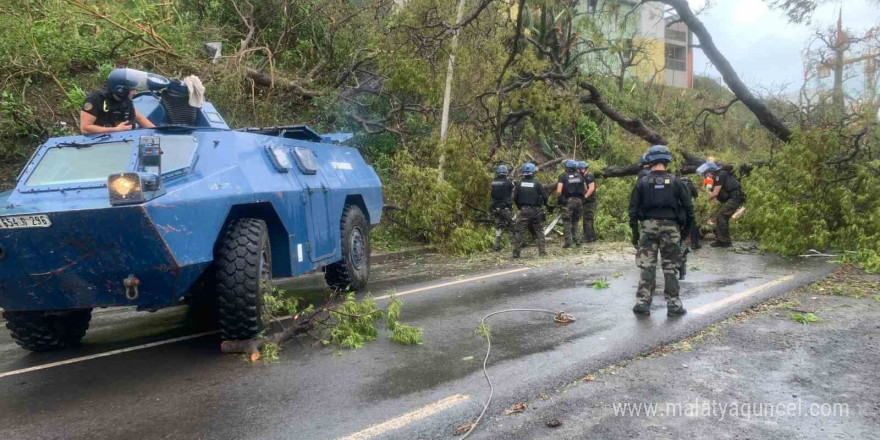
(676, 57)
(629, 52)
(672, 34)
(591, 7)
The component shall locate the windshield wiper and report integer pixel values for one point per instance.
(92, 141)
(184, 127)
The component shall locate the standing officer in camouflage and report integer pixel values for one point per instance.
(660, 205)
(589, 203)
(529, 197)
(571, 192)
(729, 192)
(502, 204)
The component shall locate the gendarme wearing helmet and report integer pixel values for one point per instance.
(111, 109)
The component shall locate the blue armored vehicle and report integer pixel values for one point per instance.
(190, 211)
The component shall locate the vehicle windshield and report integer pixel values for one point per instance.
(73, 165)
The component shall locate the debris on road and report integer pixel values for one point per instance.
(517, 408)
(554, 423)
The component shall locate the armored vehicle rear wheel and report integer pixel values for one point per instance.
(353, 270)
(243, 270)
(42, 331)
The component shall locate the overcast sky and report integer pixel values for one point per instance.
(762, 46)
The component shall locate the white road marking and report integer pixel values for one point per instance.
(406, 419)
(713, 306)
(105, 354)
(199, 335)
(453, 283)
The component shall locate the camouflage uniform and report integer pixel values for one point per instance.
(571, 215)
(503, 223)
(531, 218)
(589, 220)
(662, 236)
(590, 212)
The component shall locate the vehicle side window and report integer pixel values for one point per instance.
(178, 153)
(306, 160)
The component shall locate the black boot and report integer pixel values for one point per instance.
(675, 310)
(642, 309)
(720, 244)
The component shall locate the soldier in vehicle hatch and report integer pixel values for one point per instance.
(659, 207)
(530, 198)
(111, 109)
(502, 204)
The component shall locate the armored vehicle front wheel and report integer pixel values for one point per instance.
(353, 270)
(243, 271)
(43, 331)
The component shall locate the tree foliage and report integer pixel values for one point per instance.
(535, 80)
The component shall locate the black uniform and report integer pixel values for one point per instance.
(572, 201)
(731, 197)
(661, 205)
(502, 207)
(589, 211)
(529, 197)
(643, 172)
(108, 111)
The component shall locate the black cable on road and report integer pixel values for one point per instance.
(560, 317)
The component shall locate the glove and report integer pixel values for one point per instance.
(634, 226)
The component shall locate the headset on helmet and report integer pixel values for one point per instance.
(658, 154)
(528, 169)
(582, 165)
(708, 167)
(570, 164)
(501, 170)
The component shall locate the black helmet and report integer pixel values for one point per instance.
(658, 154)
(120, 82)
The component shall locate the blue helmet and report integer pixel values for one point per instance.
(121, 81)
(644, 159)
(708, 167)
(582, 165)
(658, 154)
(501, 170)
(528, 169)
(570, 164)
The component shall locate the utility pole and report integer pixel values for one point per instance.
(447, 94)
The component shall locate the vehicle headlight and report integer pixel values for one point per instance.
(125, 188)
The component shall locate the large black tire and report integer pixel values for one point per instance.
(243, 269)
(353, 271)
(43, 331)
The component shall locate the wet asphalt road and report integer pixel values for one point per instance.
(189, 390)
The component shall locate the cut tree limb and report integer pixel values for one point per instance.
(756, 105)
(634, 126)
(251, 346)
(266, 80)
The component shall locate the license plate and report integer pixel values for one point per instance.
(25, 221)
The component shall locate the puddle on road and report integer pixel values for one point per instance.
(429, 367)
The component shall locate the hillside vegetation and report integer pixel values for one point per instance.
(533, 81)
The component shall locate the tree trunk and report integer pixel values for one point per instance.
(764, 115)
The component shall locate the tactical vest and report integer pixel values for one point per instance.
(501, 192)
(658, 201)
(731, 188)
(528, 193)
(573, 185)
